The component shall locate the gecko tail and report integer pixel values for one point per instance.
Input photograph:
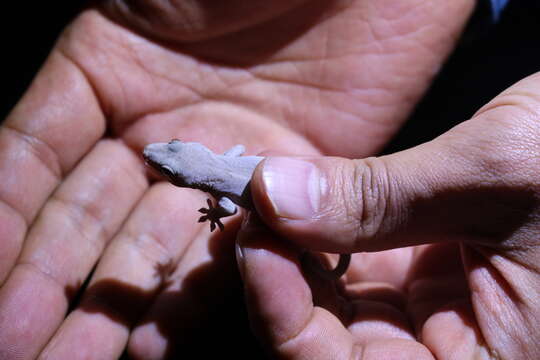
(311, 263)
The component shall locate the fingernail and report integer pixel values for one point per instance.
(240, 259)
(294, 187)
(251, 223)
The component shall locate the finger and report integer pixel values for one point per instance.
(283, 314)
(280, 303)
(454, 327)
(332, 204)
(135, 267)
(56, 122)
(66, 240)
(470, 184)
(198, 305)
(439, 303)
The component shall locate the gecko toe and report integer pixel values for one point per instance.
(220, 224)
(212, 215)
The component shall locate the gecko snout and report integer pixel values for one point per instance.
(150, 155)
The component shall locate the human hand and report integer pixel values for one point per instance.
(472, 196)
(124, 74)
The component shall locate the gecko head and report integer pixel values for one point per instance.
(163, 157)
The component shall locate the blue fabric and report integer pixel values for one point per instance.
(497, 6)
(487, 14)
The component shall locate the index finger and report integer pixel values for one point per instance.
(297, 321)
(52, 127)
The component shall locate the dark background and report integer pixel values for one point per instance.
(28, 31)
(480, 68)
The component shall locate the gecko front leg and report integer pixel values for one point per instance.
(235, 151)
(224, 208)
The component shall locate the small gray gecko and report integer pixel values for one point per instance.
(226, 177)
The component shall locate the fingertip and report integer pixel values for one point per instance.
(261, 200)
(292, 195)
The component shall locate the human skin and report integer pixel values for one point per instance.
(302, 77)
(463, 213)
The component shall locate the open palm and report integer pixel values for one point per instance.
(303, 77)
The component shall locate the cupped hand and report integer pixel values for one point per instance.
(458, 218)
(77, 209)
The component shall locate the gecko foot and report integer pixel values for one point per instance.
(212, 214)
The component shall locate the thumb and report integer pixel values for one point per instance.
(448, 189)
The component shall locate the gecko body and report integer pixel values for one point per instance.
(226, 177)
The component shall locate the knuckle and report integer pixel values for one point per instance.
(365, 194)
(513, 148)
(510, 154)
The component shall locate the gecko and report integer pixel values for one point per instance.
(225, 177)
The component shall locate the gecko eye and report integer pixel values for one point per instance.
(167, 171)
